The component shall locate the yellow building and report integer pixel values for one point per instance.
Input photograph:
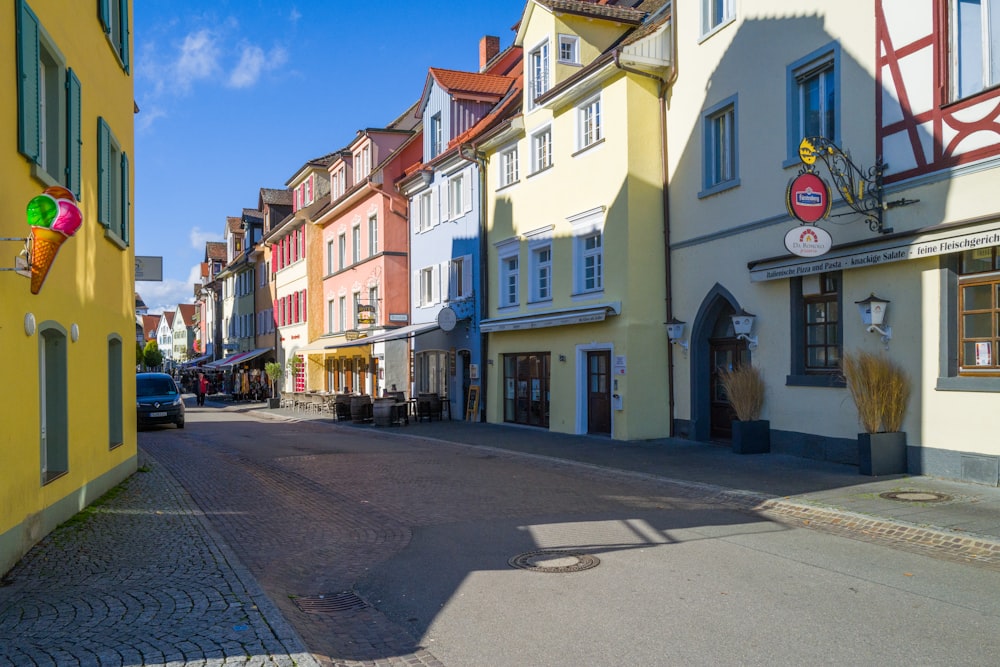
(68, 418)
(575, 226)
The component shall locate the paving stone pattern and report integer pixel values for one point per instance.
(139, 580)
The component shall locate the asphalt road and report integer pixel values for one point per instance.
(408, 541)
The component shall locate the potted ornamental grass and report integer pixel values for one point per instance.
(744, 387)
(880, 389)
(275, 373)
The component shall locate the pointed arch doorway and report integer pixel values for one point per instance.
(714, 346)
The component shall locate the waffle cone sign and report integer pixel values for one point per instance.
(45, 244)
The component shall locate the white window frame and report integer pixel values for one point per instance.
(460, 277)
(509, 168)
(590, 124)
(509, 284)
(982, 48)
(342, 312)
(541, 273)
(539, 76)
(541, 159)
(456, 196)
(373, 234)
(330, 255)
(571, 43)
(331, 306)
(356, 242)
(715, 15)
(587, 225)
(342, 249)
(427, 286)
(436, 134)
(426, 201)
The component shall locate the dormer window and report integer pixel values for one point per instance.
(436, 137)
(569, 49)
(338, 182)
(363, 163)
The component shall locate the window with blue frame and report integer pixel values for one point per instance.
(813, 99)
(721, 155)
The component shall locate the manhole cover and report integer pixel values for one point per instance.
(329, 604)
(550, 560)
(915, 496)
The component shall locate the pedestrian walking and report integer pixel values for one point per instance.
(202, 388)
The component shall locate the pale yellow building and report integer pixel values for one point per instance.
(894, 80)
(68, 402)
(575, 248)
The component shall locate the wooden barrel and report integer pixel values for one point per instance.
(382, 411)
(361, 408)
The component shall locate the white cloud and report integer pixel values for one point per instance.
(253, 61)
(199, 238)
(147, 115)
(294, 15)
(198, 59)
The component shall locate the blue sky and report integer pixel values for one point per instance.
(236, 95)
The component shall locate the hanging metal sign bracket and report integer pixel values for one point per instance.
(862, 190)
(21, 266)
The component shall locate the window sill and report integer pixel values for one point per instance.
(818, 380)
(535, 303)
(588, 147)
(585, 296)
(985, 92)
(115, 239)
(507, 186)
(540, 171)
(707, 35)
(968, 383)
(719, 187)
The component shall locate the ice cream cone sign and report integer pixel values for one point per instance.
(53, 217)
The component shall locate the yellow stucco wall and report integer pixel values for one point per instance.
(621, 176)
(90, 286)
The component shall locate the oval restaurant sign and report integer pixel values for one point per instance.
(808, 241)
(808, 198)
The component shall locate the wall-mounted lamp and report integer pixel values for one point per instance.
(562, 357)
(872, 312)
(675, 332)
(743, 325)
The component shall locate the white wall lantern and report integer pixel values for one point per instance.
(743, 325)
(873, 310)
(675, 332)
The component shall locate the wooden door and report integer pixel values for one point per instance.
(727, 353)
(599, 392)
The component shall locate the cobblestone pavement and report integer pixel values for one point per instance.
(140, 579)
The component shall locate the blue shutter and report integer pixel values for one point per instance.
(124, 34)
(103, 173)
(28, 100)
(73, 134)
(125, 200)
(104, 13)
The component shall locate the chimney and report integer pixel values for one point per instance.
(489, 47)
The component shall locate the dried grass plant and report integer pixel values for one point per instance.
(880, 388)
(744, 386)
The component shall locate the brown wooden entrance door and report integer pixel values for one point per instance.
(599, 392)
(725, 353)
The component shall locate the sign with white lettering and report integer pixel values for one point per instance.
(897, 250)
(148, 268)
(807, 198)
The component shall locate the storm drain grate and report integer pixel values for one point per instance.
(330, 604)
(915, 496)
(555, 561)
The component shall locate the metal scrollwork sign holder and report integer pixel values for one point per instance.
(861, 189)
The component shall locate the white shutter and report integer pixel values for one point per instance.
(418, 301)
(415, 214)
(467, 275)
(435, 210)
(467, 190)
(445, 281)
(436, 283)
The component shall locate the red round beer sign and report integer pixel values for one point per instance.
(808, 198)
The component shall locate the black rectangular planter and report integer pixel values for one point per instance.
(752, 437)
(882, 453)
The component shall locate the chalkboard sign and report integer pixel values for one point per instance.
(472, 407)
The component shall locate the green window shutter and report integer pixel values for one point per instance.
(103, 173)
(125, 200)
(124, 34)
(104, 13)
(28, 100)
(74, 138)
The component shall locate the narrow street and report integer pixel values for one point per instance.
(379, 547)
(423, 531)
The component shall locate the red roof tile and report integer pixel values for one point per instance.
(471, 83)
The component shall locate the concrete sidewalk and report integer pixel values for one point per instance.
(950, 519)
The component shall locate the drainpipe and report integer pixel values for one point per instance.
(664, 85)
(484, 356)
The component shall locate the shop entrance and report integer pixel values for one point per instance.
(725, 353)
(599, 392)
